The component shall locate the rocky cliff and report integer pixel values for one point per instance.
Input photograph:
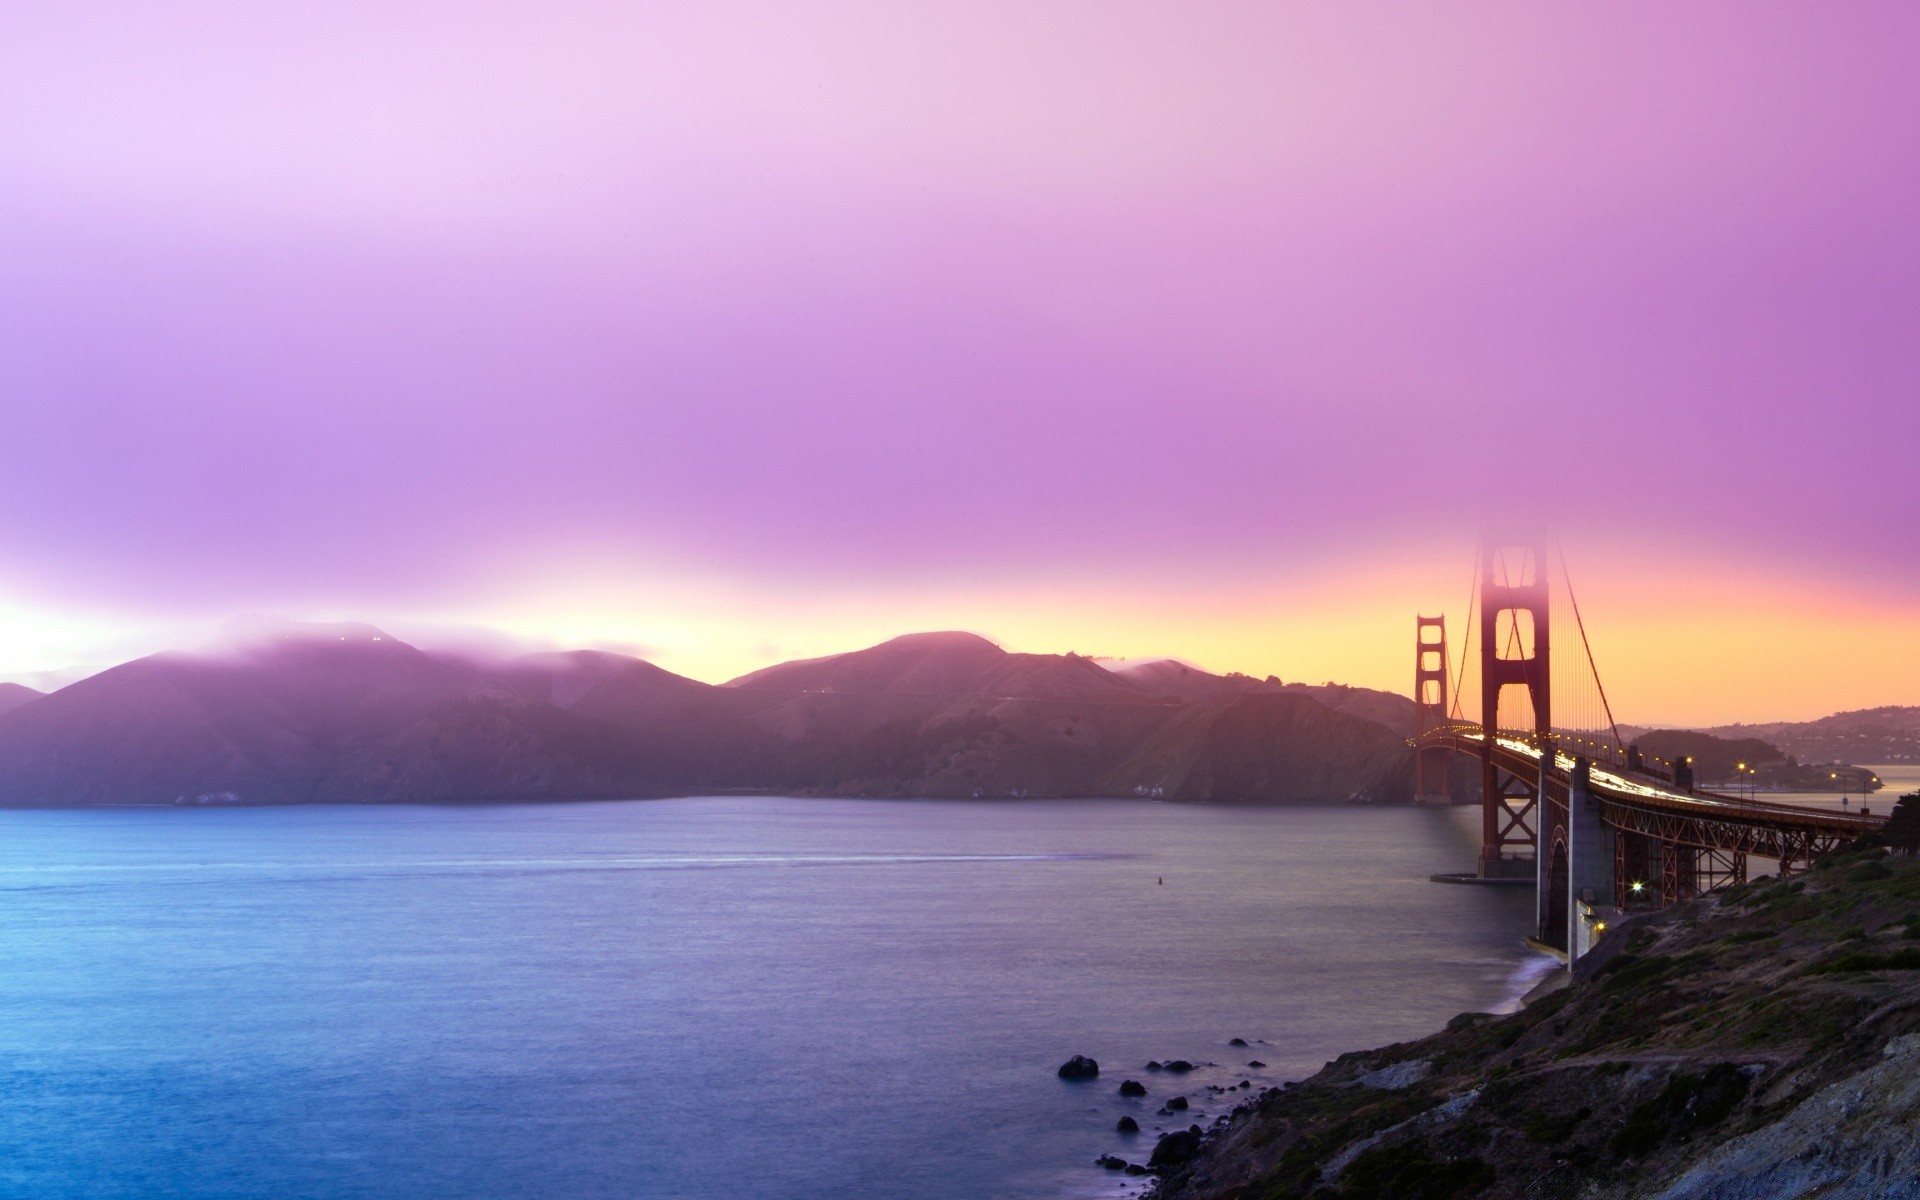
(1761, 1045)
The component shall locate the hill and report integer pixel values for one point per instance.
(944, 714)
(1171, 679)
(1264, 747)
(13, 695)
(947, 665)
(1175, 680)
(349, 714)
(320, 714)
(1761, 1043)
(1714, 758)
(1869, 735)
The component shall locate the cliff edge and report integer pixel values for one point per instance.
(1761, 1043)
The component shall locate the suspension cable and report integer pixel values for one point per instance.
(1581, 625)
(1473, 602)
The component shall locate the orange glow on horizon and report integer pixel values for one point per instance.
(1706, 648)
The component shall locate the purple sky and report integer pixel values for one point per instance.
(729, 332)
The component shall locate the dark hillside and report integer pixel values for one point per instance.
(348, 714)
(321, 713)
(1713, 757)
(1765, 1043)
(1268, 748)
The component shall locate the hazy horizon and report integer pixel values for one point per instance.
(494, 647)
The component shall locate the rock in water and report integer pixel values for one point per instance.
(1127, 1125)
(1112, 1162)
(1178, 1064)
(1256, 1063)
(1177, 1104)
(1237, 1042)
(1079, 1067)
(1133, 1087)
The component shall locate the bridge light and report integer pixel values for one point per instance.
(1636, 887)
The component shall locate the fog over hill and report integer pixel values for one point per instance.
(13, 695)
(350, 714)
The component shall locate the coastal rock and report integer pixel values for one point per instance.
(1127, 1125)
(1256, 1063)
(1178, 1064)
(1133, 1087)
(1080, 1067)
(1397, 1076)
(1852, 1141)
(1177, 1104)
(1175, 1148)
(1111, 1162)
(1237, 1042)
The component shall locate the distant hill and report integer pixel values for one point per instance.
(349, 714)
(1867, 735)
(13, 695)
(1176, 680)
(1266, 746)
(325, 714)
(946, 664)
(944, 714)
(1714, 758)
(1388, 708)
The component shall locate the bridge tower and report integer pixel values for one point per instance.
(1515, 651)
(1430, 763)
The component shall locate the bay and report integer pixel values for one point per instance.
(700, 998)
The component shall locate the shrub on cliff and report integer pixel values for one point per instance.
(1902, 830)
(1687, 1103)
(1409, 1171)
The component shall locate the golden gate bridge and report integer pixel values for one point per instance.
(1599, 829)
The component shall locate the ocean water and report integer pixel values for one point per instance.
(701, 998)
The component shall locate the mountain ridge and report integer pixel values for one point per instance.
(350, 714)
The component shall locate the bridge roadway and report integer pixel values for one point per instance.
(1648, 807)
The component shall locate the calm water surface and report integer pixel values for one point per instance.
(704, 998)
(1897, 780)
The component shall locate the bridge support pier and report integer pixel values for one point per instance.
(1576, 868)
(1590, 865)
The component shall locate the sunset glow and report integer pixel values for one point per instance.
(721, 335)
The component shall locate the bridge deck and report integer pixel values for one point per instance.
(1652, 794)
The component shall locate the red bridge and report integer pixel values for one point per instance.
(1599, 829)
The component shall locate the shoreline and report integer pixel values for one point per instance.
(1695, 1055)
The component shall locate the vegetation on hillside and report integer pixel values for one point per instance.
(1707, 1037)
